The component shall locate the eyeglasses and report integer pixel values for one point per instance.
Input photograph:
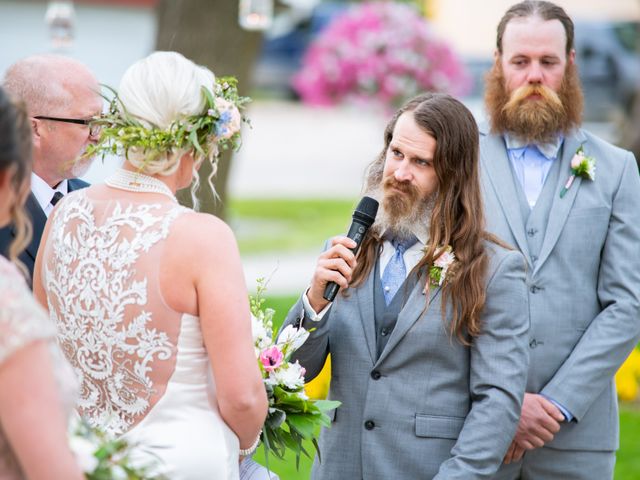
(94, 130)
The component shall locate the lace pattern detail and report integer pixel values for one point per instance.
(98, 299)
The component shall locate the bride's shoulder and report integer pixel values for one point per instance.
(202, 230)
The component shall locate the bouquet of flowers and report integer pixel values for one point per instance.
(292, 416)
(103, 457)
(380, 51)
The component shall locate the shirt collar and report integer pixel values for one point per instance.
(549, 150)
(43, 192)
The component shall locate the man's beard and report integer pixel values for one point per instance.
(537, 120)
(402, 213)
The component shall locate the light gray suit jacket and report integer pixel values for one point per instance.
(428, 407)
(584, 286)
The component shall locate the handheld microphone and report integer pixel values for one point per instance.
(363, 217)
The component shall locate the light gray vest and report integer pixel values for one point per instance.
(385, 315)
(536, 218)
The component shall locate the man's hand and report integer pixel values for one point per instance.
(334, 265)
(539, 422)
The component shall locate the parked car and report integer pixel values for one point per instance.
(608, 58)
(286, 41)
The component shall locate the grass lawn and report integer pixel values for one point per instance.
(264, 225)
(628, 457)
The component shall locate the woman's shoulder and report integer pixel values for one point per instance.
(202, 230)
(22, 319)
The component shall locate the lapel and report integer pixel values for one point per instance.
(495, 160)
(560, 207)
(364, 297)
(38, 219)
(413, 309)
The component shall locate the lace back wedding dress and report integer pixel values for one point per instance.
(143, 367)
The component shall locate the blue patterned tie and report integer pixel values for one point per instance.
(395, 272)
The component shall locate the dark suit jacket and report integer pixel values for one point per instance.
(38, 219)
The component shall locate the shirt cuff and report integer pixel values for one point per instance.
(310, 313)
(567, 415)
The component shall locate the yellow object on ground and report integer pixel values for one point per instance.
(318, 388)
(628, 376)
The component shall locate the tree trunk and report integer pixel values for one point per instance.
(207, 32)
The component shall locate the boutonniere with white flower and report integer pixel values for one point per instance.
(581, 166)
(438, 271)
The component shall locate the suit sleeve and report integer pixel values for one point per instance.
(612, 335)
(314, 350)
(498, 372)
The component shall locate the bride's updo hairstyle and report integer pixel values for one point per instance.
(166, 107)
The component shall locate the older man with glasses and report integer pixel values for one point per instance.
(62, 96)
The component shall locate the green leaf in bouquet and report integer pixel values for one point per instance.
(326, 405)
(275, 418)
(304, 425)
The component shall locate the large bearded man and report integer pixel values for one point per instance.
(426, 368)
(579, 232)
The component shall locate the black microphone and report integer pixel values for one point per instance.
(363, 217)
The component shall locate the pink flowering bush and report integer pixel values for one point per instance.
(383, 52)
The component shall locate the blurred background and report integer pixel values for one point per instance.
(324, 77)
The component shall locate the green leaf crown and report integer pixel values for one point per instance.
(206, 133)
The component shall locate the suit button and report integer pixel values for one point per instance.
(533, 343)
(369, 425)
(534, 259)
(384, 332)
(534, 289)
(531, 232)
(376, 375)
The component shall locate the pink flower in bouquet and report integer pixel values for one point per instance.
(271, 358)
(378, 51)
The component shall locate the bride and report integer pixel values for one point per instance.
(149, 296)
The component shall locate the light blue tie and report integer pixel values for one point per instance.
(395, 272)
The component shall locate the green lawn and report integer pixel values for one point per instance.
(267, 225)
(628, 458)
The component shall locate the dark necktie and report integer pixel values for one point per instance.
(56, 198)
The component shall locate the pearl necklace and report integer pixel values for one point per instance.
(137, 182)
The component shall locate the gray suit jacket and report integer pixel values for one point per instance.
(584, 285)
(427, 407)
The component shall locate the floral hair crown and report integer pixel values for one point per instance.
(219, 121)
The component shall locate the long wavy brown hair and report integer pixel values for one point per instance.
(15, 155)
(457, 217)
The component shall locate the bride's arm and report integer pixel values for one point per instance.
(32, 415)
(223, 307)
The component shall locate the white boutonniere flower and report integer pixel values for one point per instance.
(581, 166)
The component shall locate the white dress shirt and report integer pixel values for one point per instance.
(44, 193)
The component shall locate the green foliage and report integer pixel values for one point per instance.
(264, 225)
(204, 133)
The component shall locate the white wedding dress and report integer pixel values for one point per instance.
(143, 367)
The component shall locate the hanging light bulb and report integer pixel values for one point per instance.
(255, 14)
(60, 17)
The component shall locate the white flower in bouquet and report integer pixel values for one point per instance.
(292, 338)
(291, 375)
(84, 451)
